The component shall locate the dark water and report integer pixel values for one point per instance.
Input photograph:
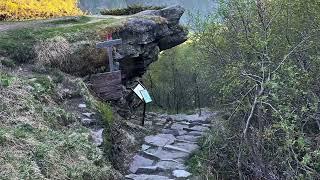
(202, 7)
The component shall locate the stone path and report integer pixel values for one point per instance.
(89, 119)
(163, 155)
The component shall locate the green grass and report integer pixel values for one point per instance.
(71, 20)
(5, 80)
(43, 141)
(106, 112)
(18, 44)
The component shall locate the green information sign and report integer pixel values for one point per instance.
(146, 96)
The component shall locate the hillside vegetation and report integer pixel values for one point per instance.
(258, 62)
(34, 9)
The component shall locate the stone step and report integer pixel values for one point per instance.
(149, 170)
(88, 122)
(88, 115)
(174, 132)
(139, 161)
(181, 173)
(97, 136)
(196, 133)
(178, 126)
(170, 147)
(188, 138)
(146, 177)
(197, 128)
(166, 154)
(187, 146)
(160, 139)
(145, 147)
(171, 165)
(149, 155)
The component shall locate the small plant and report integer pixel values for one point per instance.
(133, 9)
(8, 63)
(42, 85)
(58, 117)
(5, 80)
(106, 113)
(2, 137)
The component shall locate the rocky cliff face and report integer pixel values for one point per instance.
(144, 38)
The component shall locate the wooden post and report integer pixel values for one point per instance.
(144, 113)
(108, 45)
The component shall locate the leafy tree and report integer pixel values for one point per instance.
(265, 56)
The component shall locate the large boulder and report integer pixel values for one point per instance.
(143, 39)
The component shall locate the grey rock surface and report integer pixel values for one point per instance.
(160, 139)
(139, 161)
(97, 136)
(163, 155)
(181, 173)
(146, 177)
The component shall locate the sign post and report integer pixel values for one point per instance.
(108, 45)
(144, 95)
(108, 85)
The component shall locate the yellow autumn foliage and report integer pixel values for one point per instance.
(36, 9)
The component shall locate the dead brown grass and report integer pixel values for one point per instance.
(53, 52)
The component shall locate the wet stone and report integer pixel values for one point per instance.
(196, 133)
(88, 115)
(175, 148)
(82, 105)
(178, 126)
(171, 131)
(182, 132)
(146, 177)
(145, 147)
(166, 154)
(199, 128)
(88, 122)
(160, 139)
(97, 136)
(181, 173)
(139, 161)
(149, 170)
(170, 165)
(187, 146)
(188, 138)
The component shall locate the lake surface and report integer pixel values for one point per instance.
(201, 7)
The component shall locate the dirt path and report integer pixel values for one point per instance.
(7, 26)
(163, 155)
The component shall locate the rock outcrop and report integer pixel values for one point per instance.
(143, 39)
(144, 36)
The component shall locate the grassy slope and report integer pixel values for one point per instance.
(39, 137)
(18, 43)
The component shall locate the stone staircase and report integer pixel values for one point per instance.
(163, 155)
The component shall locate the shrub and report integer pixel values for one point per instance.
(53, 52)
(133, 9)
(106, 113)
(33, 9)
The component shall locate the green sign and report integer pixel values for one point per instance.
(146, 96)
(142, 93)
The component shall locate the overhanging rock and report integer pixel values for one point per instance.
(144, 36)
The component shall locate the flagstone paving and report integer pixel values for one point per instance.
(163, 155)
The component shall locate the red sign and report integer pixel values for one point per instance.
(109, 36)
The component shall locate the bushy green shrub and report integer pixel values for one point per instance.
(264, 68)
(130, 10)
